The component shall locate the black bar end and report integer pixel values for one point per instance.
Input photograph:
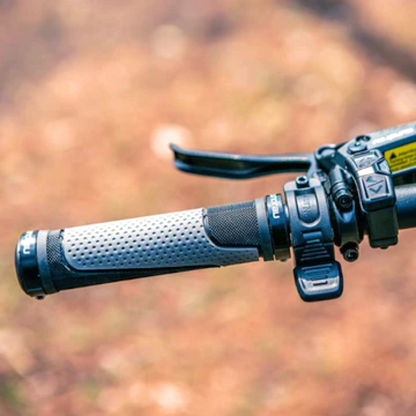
(27, 267)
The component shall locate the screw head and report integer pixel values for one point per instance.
(302, 182)
(357, 146)
(344, 200)
(351, 255)
(350, 251)
(363, 138)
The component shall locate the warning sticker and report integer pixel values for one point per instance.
(400, 158)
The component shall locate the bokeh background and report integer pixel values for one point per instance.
(91, 93)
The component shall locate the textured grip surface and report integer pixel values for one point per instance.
(158, 242)
(234, 225)
(50, 261)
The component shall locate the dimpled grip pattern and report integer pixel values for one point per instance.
(161, 241)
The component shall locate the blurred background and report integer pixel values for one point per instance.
(91, 93)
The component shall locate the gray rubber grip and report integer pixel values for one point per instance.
(162, 241)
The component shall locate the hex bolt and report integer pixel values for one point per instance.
(357, 146)
(302, 182)
(363, 138)
(40, 297)
(343, 199)
(350, 251)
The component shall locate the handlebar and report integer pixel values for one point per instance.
(50, 261)
(366, 186)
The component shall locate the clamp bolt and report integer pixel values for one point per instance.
(358, 145)
(302, 182)
(350, 251)
(343, 199)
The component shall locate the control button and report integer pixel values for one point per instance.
(383, 167)
(365, 160)
(319, 282)
(375, 186)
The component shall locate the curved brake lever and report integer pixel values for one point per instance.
(236, 166)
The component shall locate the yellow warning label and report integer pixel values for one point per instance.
(400, 158)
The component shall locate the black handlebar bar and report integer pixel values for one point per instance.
(51, 261)
(406, 206)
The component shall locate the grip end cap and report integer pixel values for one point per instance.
(27, 268)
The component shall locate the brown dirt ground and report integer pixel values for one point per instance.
(90, 93)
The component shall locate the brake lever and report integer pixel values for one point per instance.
(237, 166)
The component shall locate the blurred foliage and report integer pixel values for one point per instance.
(91, 93)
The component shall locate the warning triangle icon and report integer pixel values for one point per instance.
(393, 156)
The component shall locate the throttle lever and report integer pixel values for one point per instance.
(317, 275)
(236, 166)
